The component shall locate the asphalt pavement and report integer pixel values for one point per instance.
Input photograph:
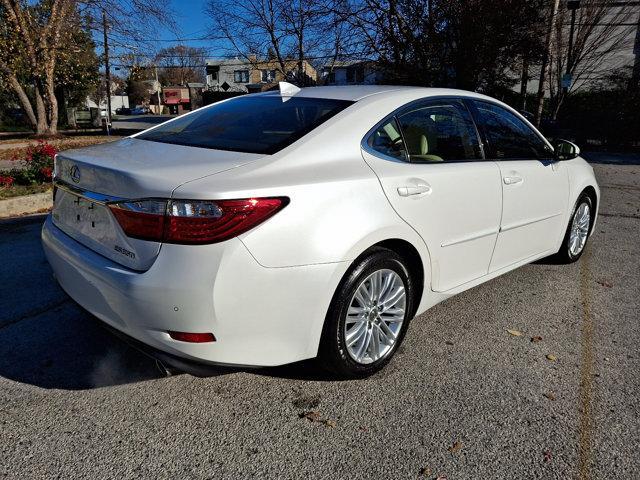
(463, 399)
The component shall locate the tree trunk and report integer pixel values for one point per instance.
(524, 82)
(42, 128)
(24, 100)
(52, 100)
(545, 63)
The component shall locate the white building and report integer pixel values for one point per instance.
(351, 72)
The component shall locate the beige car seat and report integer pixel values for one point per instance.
(421, 141)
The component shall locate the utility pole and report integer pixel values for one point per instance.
(545, 63)
(158, 90)
(107, 72)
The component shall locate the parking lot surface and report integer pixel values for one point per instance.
(463, 399)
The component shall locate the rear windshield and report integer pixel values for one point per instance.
(253, 124)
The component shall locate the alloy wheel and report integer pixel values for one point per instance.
(579, 229)
(375, 316)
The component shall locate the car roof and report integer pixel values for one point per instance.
(358, 92)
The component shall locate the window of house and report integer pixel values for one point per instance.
(268, 76)
(439, 131)
(241, 76)
(508, 136)
(355, 74)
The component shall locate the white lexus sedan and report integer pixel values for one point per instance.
(303, 223)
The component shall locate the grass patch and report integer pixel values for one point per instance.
(20, 190)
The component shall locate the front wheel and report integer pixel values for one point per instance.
(577, 234)
(368, 316)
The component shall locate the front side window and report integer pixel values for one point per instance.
(508, 136)
(439, 131)
(253, 124)
(241, 76)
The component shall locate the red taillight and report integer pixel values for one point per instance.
(193, 221)
(143, 219)
(192, 337)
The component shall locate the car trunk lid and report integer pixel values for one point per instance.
(88, 179)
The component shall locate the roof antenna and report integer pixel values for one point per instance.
(287, 89)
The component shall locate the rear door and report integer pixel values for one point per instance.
(429, 161)
(534, 185)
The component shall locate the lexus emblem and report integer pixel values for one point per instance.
(74, 173)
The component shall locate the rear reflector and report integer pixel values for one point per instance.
(193, 221)
(192, 337)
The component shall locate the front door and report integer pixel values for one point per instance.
(534, 186)
(429, 162)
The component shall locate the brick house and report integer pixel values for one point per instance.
(249, 76)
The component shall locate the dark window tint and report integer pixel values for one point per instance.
(254, 124)
(508, 136)
(439, 132)
(388, 140)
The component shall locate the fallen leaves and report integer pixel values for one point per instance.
(315, 417)
(515, 333)
(307, 402)
(536, 339)
(456, 447)
(546, 456)
(311, 416)
(549, 395)
(424, 472)
(605, 283)
(551, 357)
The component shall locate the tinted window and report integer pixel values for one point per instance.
(508, 136)
(254, 124)
(388, 141)
(439, 132)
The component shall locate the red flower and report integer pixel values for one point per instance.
(6, 181)
(49, 150)
(46, 172)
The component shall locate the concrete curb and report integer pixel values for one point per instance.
(26, 204)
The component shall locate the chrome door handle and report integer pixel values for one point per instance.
(512, 180)
(413, 190)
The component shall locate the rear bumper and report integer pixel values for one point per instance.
(259, 316)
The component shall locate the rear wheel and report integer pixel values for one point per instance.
(577, 234)
(368, 316)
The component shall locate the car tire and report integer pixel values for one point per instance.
(569, 251)
(379, 323)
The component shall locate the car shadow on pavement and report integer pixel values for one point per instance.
(65, 348)
(46, 340)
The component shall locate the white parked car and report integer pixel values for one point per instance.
(293, 224)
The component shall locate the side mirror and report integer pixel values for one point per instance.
(566, 150)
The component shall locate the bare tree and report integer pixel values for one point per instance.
(287, 32)
(180, 64)
(604, 29)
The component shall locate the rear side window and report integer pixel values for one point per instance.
(440, 131)
(508, 136)
(388, 140)
(252, 124)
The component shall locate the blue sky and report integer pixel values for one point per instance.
(192, 23)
